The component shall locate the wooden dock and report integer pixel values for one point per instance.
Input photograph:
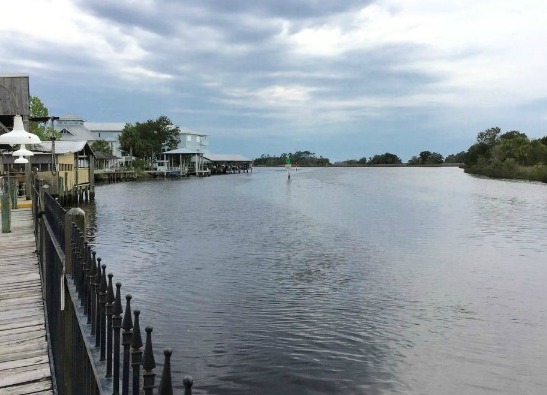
(24, 358)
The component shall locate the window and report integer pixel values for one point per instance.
(188, 137)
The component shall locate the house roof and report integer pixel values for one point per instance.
(182, 151)
(226, 158)
(70, 117)
(61, 147)
(76, 133)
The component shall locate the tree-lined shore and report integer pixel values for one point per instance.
(495, 154)
(508, 155)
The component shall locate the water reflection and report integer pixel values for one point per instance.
(368, 281)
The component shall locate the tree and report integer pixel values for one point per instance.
(415, 160)
(456, 158)
(475, 152)
(517, 147)
(150, 138)
(435, 158)
(511, 135)
(42, 129)
(384, 159)
(101, 146)
(424, 157)
(489, 137)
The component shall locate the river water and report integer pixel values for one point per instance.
(339, 280)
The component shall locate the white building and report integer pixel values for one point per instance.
(192, 140)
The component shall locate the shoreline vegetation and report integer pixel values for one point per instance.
(508, 155)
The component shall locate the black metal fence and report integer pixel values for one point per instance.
(96, 343)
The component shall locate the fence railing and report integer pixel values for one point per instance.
(96, 343)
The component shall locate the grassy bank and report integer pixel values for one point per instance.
(510, 170)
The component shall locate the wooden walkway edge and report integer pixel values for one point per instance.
(24, 358)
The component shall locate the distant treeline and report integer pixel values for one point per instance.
(423, 158)
(495, 154)
(300, 158)
(307, 158)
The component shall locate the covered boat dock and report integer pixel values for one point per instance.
(226, 163)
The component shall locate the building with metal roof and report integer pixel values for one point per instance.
(71, 127)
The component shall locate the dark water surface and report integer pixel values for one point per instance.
(354, 281)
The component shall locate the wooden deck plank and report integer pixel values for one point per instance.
(28, 321)
(36, 388)
(31, 353)
(24, 358)
(25, 376)
(23, 362)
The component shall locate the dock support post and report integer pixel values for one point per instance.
(6, 214)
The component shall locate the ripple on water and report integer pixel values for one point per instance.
(372, 281)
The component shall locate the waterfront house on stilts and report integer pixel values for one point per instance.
(180, 162)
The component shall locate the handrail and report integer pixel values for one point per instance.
(84, 313)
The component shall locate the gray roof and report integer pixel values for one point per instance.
(62, 147)
(182, 151)
(70, 117)
(226, 158)
(77, 133)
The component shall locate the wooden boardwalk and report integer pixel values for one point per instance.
(24, 359)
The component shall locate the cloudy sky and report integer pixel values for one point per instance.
(343, 79)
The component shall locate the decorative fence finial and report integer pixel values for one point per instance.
(136, 353)
(166, 385)
(148, 364)
(188, 381)
(116, 325)
(127, 326)
(109, 309)
(102, 301)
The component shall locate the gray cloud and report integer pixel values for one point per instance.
(242, 71)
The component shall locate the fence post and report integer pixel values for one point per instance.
(102, 301)
(85, 277)
(127, 326)
(73, 216)
(77, 216)
(188, 381)
(93, 280)
(166, 385)
(136, 353)
(13, 194)
(109, 307)
(43, 190)
(6, 212)
(98, 304)
(90, 284)
(117, 324)
(148, 364)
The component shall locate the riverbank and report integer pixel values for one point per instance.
(510, 170)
